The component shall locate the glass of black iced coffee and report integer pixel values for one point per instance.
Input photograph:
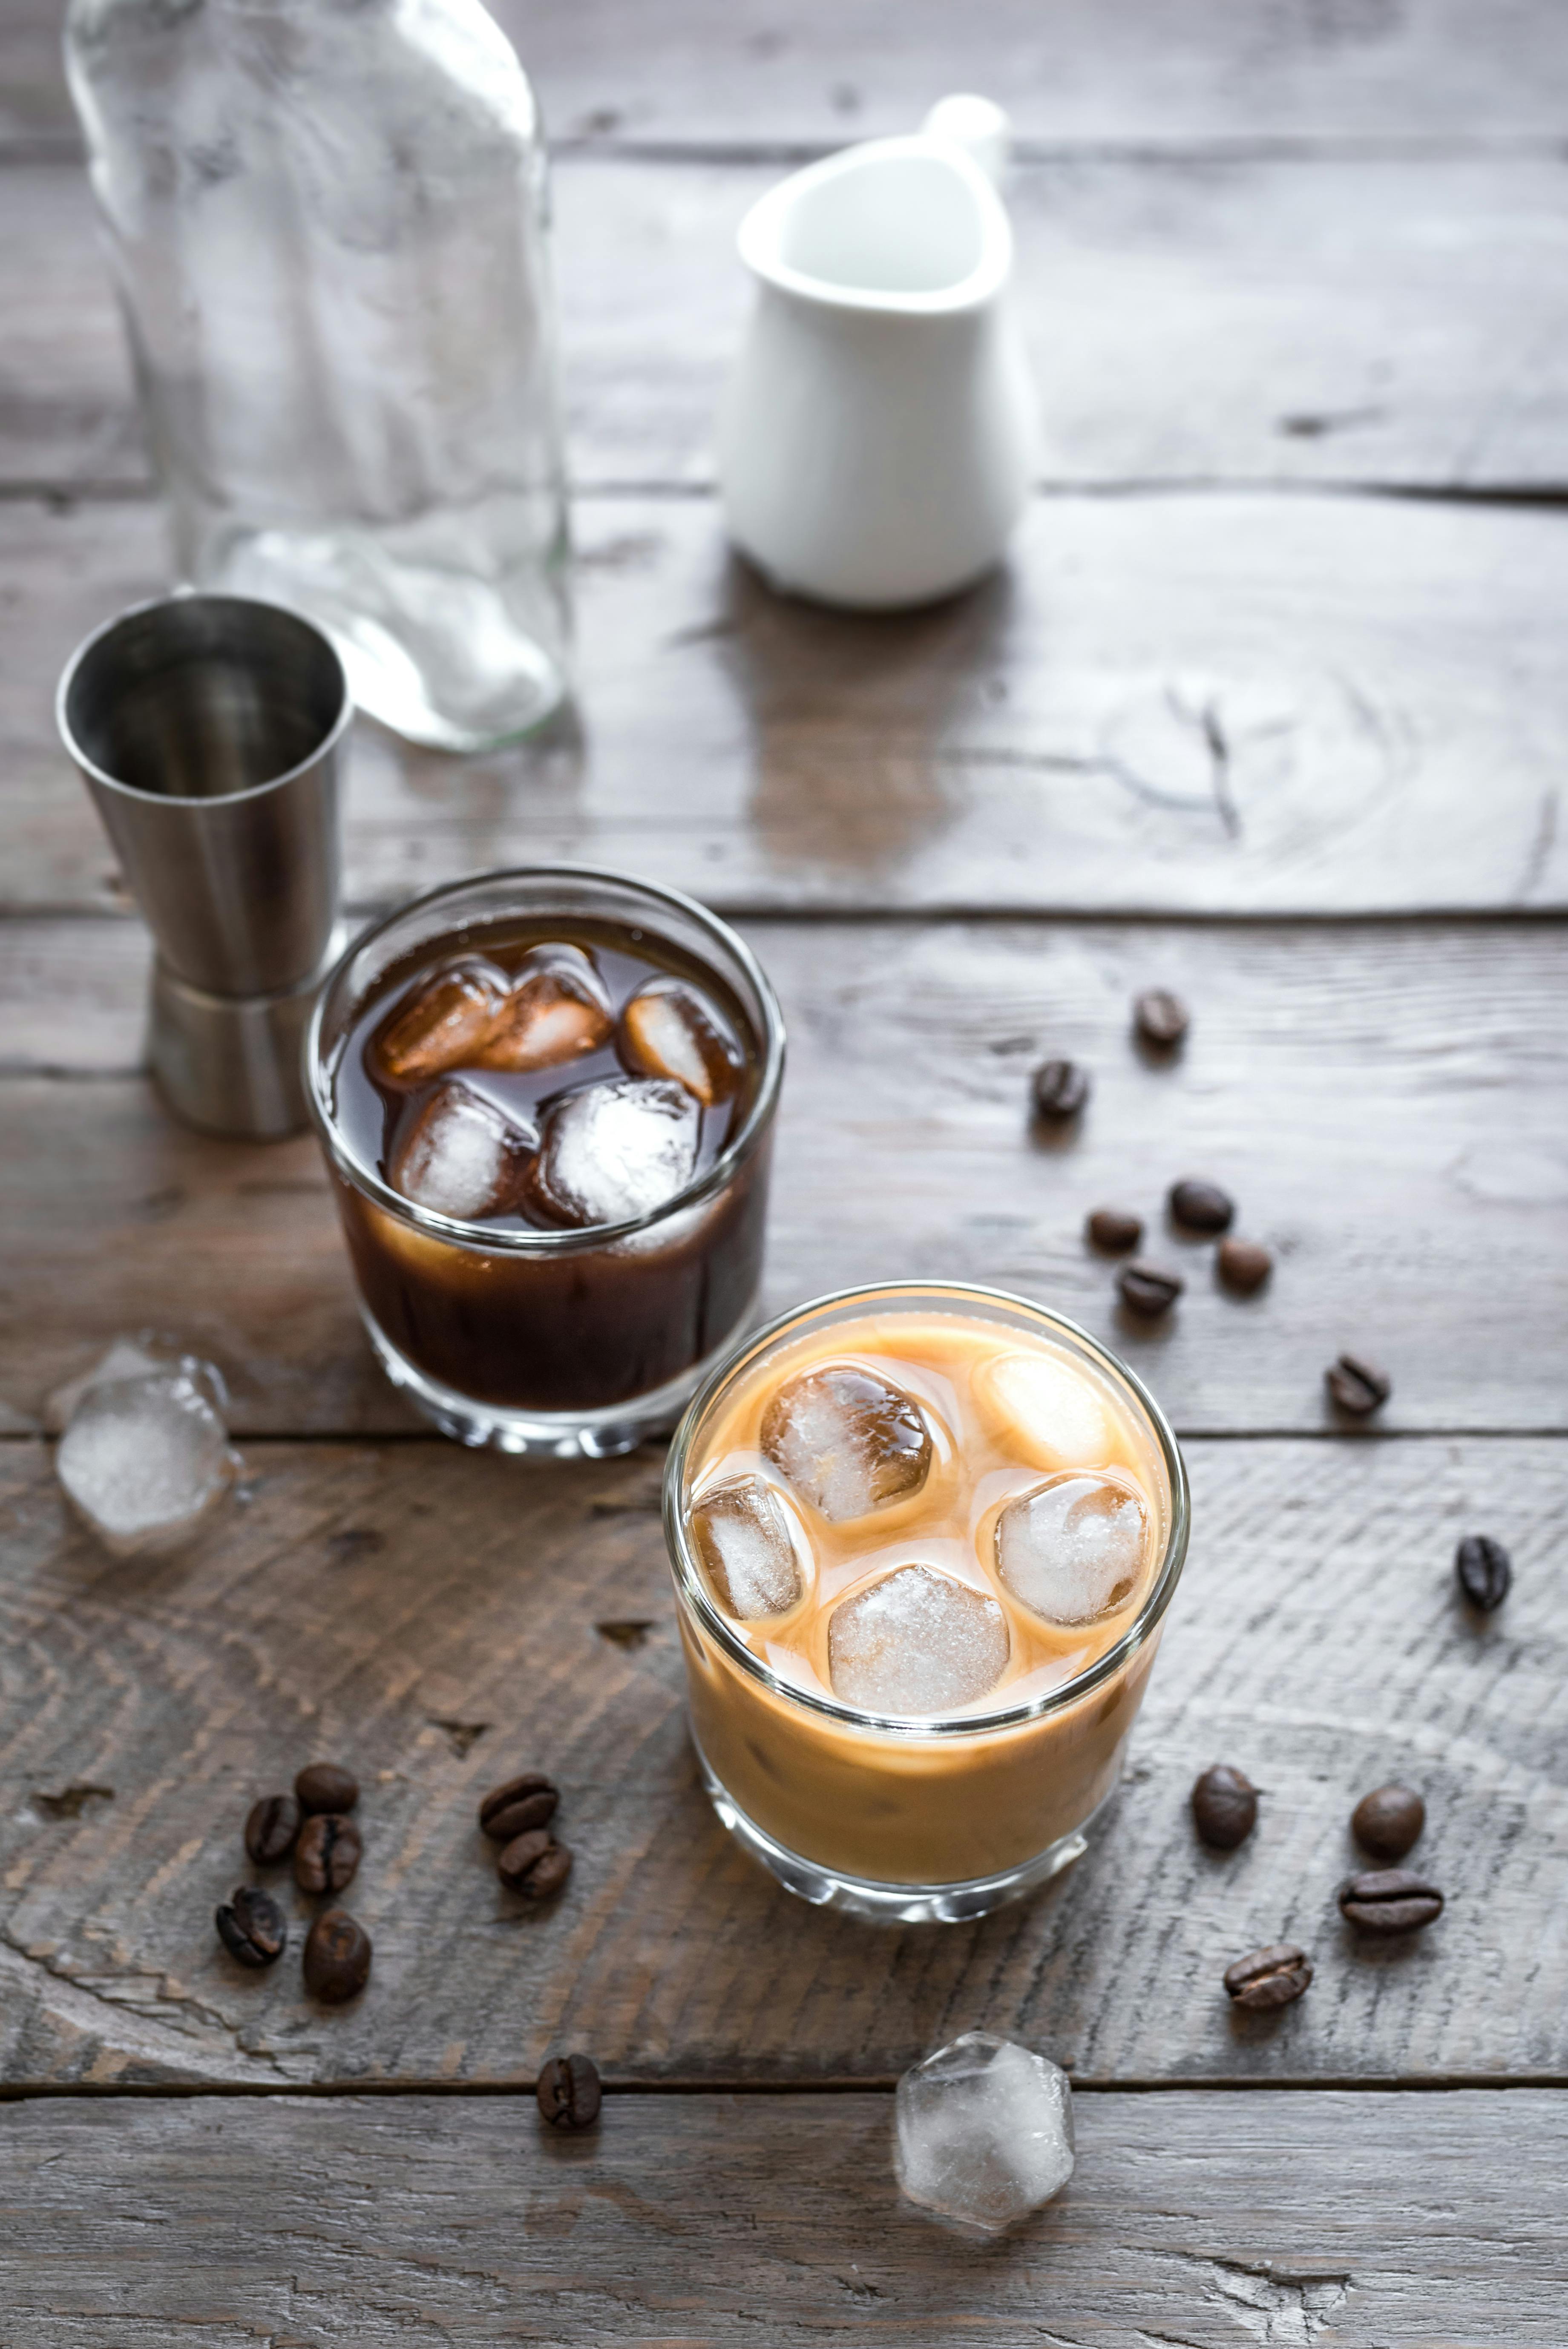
(546, 1100)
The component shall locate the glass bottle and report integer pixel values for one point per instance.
(326, 220)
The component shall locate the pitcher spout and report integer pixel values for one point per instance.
(910, 226)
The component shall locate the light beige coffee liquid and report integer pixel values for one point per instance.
(1006, 1410)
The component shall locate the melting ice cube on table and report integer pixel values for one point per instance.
(750, 1542)
(668, 1029)
(916, 1643)
(556, 1011)
(145, 1458)
(127, 1358)
(442, 1025)
(983, 2131)
(848, 1440)
(1072, 1549)
(461, 1157)
(616, 1151)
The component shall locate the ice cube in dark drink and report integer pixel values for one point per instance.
(556, 1009)
(440, 1023)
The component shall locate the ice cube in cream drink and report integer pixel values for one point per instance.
(923, 1537)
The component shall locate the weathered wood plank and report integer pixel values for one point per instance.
(1263, 320)
(1270, 321)
(1230, 703)
(430, 1616)
(723, 71)
(1199, 2219)
(1386, 1105)
(67, 409)
(706, 70)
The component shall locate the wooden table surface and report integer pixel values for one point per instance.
(1270, 705)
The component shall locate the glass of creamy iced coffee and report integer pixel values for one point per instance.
(923, 1538)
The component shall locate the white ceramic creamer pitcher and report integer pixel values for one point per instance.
(876, 441)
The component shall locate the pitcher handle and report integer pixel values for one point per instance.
(976, 125)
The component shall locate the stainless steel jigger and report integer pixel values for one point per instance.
(208, 729)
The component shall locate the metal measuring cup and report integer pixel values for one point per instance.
(208, 730)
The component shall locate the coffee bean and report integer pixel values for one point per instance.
(325, 1787)
(1160, 1016)
(1243, 1264)
(513, 1795)
(336, 1957)
(547, 1877)
(271, 1828)
(1200, 1206)
(1485, 1571)
(251, 1927)
(534, 1864)
(1357, 1386)
(1269, 1978)
(1389, 1901)
(568, 2092)
(1061, 1089)
(514, 1859)
(329, 1854)
(1224, 1806)
(1113, 1229)
(1148, 1288)
(531, 1811)
(1388, 1820)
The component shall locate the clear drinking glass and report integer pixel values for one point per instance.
(899, 1820)
(550, 1343)
(326, 225)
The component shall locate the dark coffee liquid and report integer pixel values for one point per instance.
(376, 1117)
(581, 1326)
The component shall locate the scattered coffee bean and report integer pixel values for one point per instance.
(1357, 1386)
(1160, 1016)
(1200, 1206)
(1388, 1820)
(323, 1787)
(1061, 1089)
(549, 1876)
(1485, 1571)
(251, 1927)
(534, 1864)
(534, 1810)
(1389, 1901)
(1148, 1288)
(568, 2092)
(1224, 1806)
(510, 1808)
(1269, 1978)
(336, 1957)
(328, 1853)
(271, 1829)
(1243, 1264)
(1113, 1229)
(525, 1851)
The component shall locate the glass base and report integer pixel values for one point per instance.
(388, 685)
(542, 1434)
(892, 1904)
(432, 646)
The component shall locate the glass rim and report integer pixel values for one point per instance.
(484, 1237)
(691, 1589)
